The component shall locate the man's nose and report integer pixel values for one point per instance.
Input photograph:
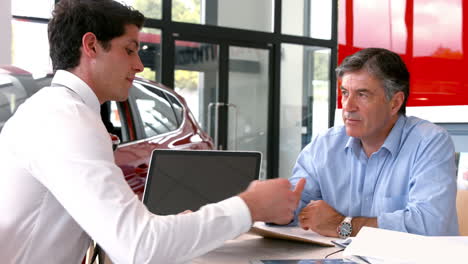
(349, 104)
(138, 65)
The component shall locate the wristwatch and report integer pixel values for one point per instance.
(345, 228)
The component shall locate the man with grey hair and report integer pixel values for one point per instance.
(381, 168)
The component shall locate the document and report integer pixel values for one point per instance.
(291, 233)
(303, 261)
(386, 246)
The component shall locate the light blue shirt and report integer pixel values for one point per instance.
(409, 184)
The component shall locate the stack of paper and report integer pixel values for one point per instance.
(385, 246)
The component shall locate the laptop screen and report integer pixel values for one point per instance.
(188, 179)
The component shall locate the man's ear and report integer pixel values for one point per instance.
(89, 44)
(397, 101)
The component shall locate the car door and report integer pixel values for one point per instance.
(151, 118)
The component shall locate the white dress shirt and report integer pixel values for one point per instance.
(59, 184)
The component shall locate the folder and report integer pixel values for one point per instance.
(293, 233)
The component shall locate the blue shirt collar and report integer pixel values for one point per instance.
(392, 142)
(354, 144)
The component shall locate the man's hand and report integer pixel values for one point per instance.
(320, 217)
(273, 200)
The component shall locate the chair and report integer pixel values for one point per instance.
(462, 211)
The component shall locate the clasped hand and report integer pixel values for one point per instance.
(320, 217)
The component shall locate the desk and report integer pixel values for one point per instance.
(250, 247)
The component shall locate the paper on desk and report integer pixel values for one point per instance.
(291, 233)
(386, 246)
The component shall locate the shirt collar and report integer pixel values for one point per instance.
(391, 143)
(354, 144)
(77, 85)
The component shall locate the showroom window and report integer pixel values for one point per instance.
(28, 55)
(256, 15)
(149, 8)
(150, 53)
(308, 18)
(303, 111)
(257, 75)
(196, 76)
(30, 23)
(36, 8)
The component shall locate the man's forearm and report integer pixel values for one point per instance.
(359, 222)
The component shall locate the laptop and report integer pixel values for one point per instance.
(180, 180)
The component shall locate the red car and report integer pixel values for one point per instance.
(153, 117)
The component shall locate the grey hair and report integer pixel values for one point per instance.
(385, 65)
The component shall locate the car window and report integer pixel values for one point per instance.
(178, 110)
(12, 95)
(155, 110)
(112, 118)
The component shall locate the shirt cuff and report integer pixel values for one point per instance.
(238, 209)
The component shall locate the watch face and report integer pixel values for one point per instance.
(345, 230)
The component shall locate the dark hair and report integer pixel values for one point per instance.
(385, 65)
(71, 19)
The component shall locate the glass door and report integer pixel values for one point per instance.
(196, 78)
(227, 88)
(248, 101)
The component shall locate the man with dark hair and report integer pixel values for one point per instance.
(382, 168)
(61, 187)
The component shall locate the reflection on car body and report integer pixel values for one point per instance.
(153, 117)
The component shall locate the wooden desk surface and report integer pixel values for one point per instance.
(249, 247)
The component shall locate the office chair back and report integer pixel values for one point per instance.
(462, 211)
